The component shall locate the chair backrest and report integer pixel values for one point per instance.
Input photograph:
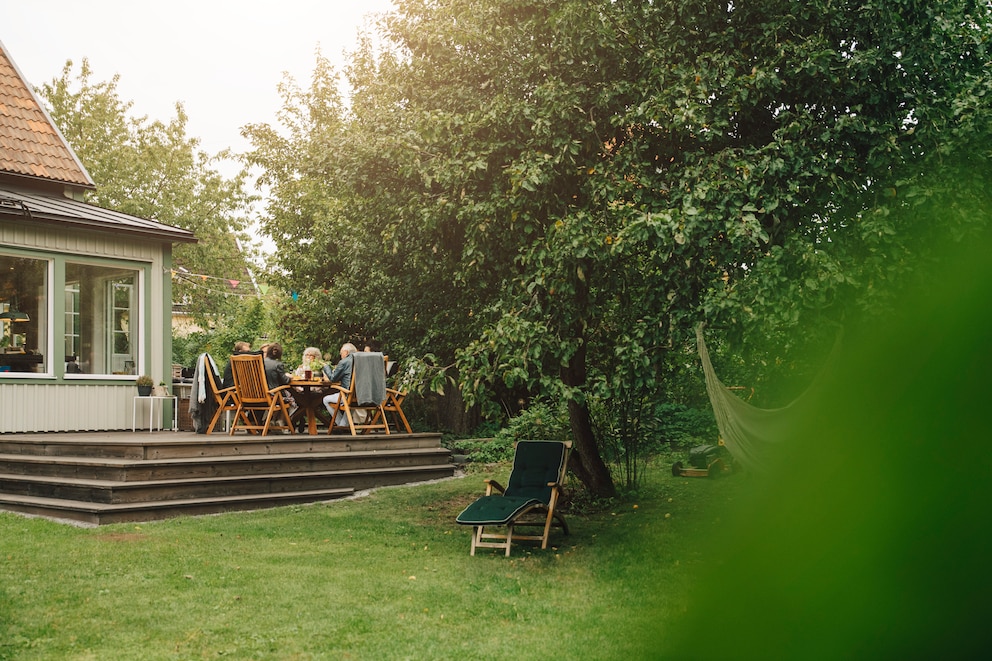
(368, 378)
(248, 371)
(213, 379)
(535, 465)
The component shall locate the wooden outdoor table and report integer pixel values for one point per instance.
(309, 396)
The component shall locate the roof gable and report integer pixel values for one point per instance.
(30, 143)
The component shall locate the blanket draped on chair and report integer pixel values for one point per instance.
(370, 374)
(202, 404)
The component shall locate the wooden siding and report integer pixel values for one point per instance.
(63, 407)
(23, 234)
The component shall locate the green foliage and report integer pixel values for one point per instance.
(484, 450)
(152, 169)
(245, 323)
(540, 421)
(549, 195)
(680, 427)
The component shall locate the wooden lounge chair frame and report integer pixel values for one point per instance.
(256, 400)
(375, 417)
(529, 499)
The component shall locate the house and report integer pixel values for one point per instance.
(85, 293)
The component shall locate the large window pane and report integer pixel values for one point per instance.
(102, 306)
(23, 314)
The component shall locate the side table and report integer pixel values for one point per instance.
(151, 410)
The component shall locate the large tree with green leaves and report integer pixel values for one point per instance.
(560, 189)
(152, 169)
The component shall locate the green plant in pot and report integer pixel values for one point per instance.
(144, 383)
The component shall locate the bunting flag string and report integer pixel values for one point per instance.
(203, 281)
(207, 282)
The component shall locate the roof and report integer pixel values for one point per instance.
(31, 145)
(39, 208)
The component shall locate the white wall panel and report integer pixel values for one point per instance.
(28, 407)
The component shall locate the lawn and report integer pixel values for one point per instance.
(382, 576)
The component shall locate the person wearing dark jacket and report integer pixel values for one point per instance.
(240, 348)
(275, 370)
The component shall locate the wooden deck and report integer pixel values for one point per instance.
(111, 477)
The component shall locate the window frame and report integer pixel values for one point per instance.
(59, 328)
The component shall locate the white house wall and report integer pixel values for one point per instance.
(51, 403)
(72, 407)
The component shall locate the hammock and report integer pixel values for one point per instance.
(751, 434)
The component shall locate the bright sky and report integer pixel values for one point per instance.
(222, 59)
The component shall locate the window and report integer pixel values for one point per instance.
(23, 314)
(71, 320)
(102, 304)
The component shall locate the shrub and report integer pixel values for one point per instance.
(681, 427)
(539, 422)
(483, 450)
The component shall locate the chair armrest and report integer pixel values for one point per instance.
(279, 389)
(493, 485)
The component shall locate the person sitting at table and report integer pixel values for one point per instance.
(275, 370)
(341, 374)
(240, 347)
(311, 361)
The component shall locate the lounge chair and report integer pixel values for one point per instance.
(529, 498)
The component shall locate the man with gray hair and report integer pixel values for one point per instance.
(340, 374)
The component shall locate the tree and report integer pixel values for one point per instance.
(154, 170)
(585, 181)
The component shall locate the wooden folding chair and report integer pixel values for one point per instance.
(367, 394)
(226, 399)
(529, 498)
(393, 406)
(255, 400)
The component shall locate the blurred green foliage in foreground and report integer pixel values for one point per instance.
(871, 539)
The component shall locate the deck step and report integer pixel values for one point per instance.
(114, 491)
(105, 513)
(108, 477)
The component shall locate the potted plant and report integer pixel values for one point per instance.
(159, 390)
(144, 383)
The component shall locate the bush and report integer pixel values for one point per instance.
(483, 450)
(680, 427)
(539, 422)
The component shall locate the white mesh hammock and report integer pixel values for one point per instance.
(751, 434)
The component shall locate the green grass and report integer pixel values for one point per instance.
(385, 576)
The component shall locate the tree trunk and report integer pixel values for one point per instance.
(586, 462)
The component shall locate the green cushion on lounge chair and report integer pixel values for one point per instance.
(536, 464)
(494, 510)
(528, 501)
